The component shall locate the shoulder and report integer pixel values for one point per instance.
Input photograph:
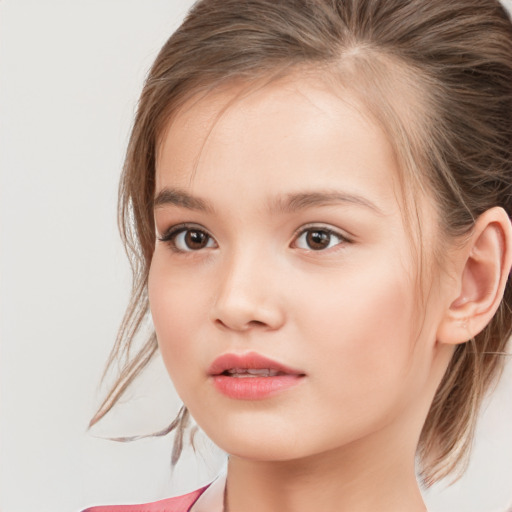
(177, 504)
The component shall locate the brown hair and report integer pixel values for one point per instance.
(456, 141)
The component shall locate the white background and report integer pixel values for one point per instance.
(70, 74)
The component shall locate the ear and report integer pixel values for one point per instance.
(482, 270)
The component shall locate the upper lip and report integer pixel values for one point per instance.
(251, 360)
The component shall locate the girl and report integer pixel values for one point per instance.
(316, 199)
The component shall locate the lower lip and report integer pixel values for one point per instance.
(254, 388)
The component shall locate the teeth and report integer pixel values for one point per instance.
(253, 372)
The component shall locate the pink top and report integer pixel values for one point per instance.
(207, 499)
(177, 504)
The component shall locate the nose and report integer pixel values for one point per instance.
(248, 295)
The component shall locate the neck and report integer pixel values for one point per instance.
(356, 477)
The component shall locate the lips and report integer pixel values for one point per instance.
(250, 361)
(251, 376)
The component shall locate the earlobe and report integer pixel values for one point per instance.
(481, 278)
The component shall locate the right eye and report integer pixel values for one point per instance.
(188, 239)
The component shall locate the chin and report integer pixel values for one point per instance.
(262, 450)
(256, 441)
(268, 444)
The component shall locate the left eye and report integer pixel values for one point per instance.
(318, 239)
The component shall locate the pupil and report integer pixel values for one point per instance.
(195, 239)
(318, 239)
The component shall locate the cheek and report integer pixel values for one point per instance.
(177, 309)
(364, 338)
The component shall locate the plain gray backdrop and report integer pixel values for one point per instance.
(70, 74)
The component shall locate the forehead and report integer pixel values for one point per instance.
(292, 133)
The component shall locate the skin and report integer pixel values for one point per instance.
(345, 437)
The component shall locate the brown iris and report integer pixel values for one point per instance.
(196, 240)
(318, 240)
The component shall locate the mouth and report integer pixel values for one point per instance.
(250, 364)
(244, 373)
(251, 376)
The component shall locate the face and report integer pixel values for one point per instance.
(282, 285)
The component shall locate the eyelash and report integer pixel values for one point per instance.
(342, 240)
(169, 237)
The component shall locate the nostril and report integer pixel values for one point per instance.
(240, 313)
(220, 323)
(256, 323)
(244, 327)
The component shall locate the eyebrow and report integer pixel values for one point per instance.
(303, 200)
(287, 204)
(176, 197)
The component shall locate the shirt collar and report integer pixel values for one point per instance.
(212, 500)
